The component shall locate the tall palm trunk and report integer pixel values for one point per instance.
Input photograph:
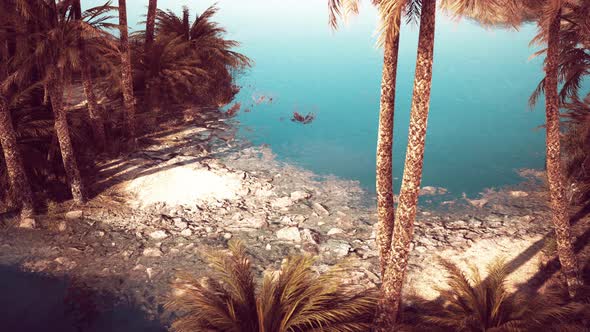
(126, 77)
(96, 120)
(559, 206)
(17, 177)
(403, 231)
(150, 24)
(62, 131)
(385, 207)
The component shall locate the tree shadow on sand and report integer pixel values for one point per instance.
(35, 302)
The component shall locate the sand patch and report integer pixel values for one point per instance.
(184, 185)
(423, 282)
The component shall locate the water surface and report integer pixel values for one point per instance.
(480, 128)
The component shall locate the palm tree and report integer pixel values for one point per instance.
(94, 113)
(548, 15)
(126, 73)
(17, 177)
(403, 231)
(56, 56)
(150, 24)
(396, 231)
(384, 169)
(477, 304)
(207, 46)
(293, 299)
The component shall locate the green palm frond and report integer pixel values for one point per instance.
(293, 299)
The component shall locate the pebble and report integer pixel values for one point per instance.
(186, 232)
(152, 252)
(158, 235)
(289, 234)
(28, 223)
(74, 215)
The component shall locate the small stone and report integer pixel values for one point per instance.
(158, 235)
(268, 247)
(519, 193)
(339, 248)
(310, 236)
(299, 195)
(62, 226)
(28, 223)
(100, 233)
(289, 234)
(180, 224)
(320, 209)
(227, 236)
(150, 272)
(186, 232)
(334, 231)
(74, 215)
(281, 203)
(152, 252)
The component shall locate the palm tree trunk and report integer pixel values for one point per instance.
(385, 207)
(17, 177)
(403, 231)
(96, 120)
(150, 24)
(126, 79)
(565, 252)
(62, 131)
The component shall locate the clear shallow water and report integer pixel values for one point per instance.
(480, 127)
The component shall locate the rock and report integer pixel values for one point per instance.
(289, 234)
(281, 203)
(227, 236)
(310, 236)
(152, 252)
(62, 226)
(180, 224)
(268, 247)
(519, 193)
(339, 248)
(319, 208)
(74, 215)
(457, 224)
(334, 231)
(28, 223)
(186, 232)
(158, 235)
(299, 195)
(432, 191)
(255, 222)
(150, 272)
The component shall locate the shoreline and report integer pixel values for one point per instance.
(275, 208)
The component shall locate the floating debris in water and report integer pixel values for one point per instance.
(303, 119)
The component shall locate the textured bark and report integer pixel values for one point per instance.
(96, 119)
(126, 77)
(560, 216)
(150, 24)
(94, 113)
(17, 177)
(403, 231)
(385, 206)
(62, 131)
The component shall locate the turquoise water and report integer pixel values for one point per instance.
(480, 128)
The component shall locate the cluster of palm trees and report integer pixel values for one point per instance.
(47, 46)
(563, 30)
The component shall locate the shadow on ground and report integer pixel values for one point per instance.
(33, 302)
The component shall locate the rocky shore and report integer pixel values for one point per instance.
(194, 188)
